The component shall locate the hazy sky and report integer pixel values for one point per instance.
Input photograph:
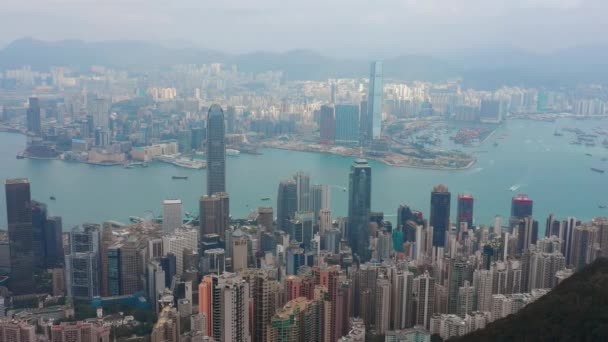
(333, 26)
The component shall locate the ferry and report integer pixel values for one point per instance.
(602, 206)
(589, 154)
(266, 199)
(20, 156)
(52, 198)
(597, 170)
(179, 177)
(558, 134)
(232, 152)
(515, 187)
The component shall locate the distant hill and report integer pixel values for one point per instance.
(576, 310)
(481, 69)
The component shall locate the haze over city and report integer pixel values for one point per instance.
(345, 28)
(303, 171)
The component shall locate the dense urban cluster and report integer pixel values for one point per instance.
(292, 272)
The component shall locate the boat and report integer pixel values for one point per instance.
(557, 134)
(179, 177)
(20, 156)
(265, 199)
(135, 219)
(232, 152)
(52, 198)
(602, 206)
(589, 154)
(597, 170)
(515, 187)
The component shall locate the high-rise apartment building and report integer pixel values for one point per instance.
(216, 150)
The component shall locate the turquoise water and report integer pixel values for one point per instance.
(552, 172)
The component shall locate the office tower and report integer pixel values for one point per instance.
(167, 327)
(466, 300)
(33, 117)
(383, 305)
(230, 119)
(265, 218)
(567, 235)
(172, 215)
(181, 240)
(231, 302)
(465, 210)
(458, 273)
(527, 234)
(402, 299)
(216, 151)
(53, 242)
(347, 131)
(287, 203)
(375, 100)
(440, 214)
(303, 190)
(107, 239)
(498, 226)
(239, 251)
(424, 295)
(39, 217)
(213, 261)
(483, 283)
(328, 124)
(552, 226)
(319, 198)
(125, 260)
(585, 245)
(324, 221)
(19, 219)
(82, 267)
(521, 207)
(359, 206)
(214, 214)
(100, 111)
(155, 282)
(169, 264)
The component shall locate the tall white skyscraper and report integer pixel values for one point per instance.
(172, 215)
(374, 100)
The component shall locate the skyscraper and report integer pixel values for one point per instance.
(167, 327)
(465, 210)
(328, 124)
(20, 235)
(287, 203)
(359, 206)
(374, 101)
(214, 213)
(216, 151)
(521, 207)
(303, 190)
(33, 116)
(82, 266)
(440, 214)
(347, 131)
(39, 216)
(172, 215)
(424, 294)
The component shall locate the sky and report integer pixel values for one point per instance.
(336, 27)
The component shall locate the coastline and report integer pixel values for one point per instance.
(381, 160)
